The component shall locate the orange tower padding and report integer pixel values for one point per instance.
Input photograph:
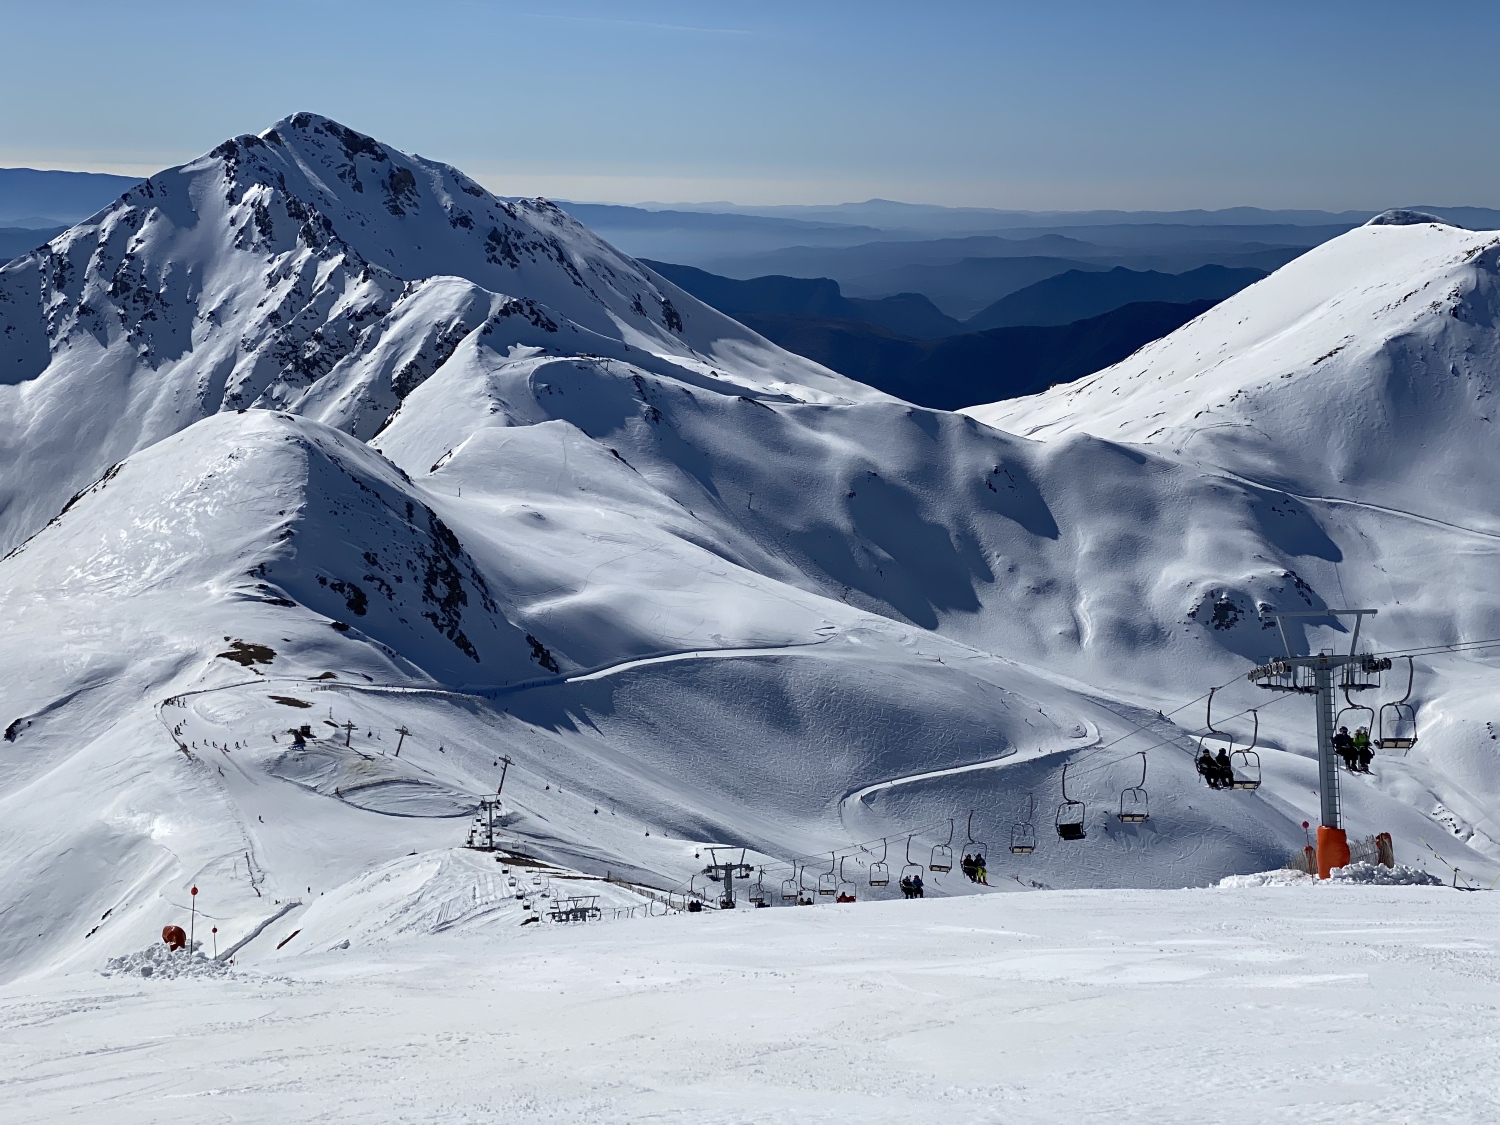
(1333, 850)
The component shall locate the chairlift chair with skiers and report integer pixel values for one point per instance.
(1211, 744)
(913, 869)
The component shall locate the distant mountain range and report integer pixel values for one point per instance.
(1079, 294)
(975, 367)
(905, 346)
(30, 197)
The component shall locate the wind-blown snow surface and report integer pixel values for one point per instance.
(352, 444)
(1354, 1004)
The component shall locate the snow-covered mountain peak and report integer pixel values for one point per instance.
(313, 269)
(1368, 367)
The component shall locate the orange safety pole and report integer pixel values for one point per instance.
(1333, 849)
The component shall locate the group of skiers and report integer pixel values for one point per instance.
(1216, 769)
(911, 886)
(973, 867)
(1355, 749)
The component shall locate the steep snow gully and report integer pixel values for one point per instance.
(310, 434)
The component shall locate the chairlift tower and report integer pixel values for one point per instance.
(1314, 675)
(482, 834)
(725, 871)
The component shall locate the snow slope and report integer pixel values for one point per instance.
(1282, 1004)
(354, 445)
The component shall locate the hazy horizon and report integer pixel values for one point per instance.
(1082, 106)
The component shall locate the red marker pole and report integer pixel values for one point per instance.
(192, 924)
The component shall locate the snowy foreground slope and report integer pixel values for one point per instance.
(1362, 1005)
(309, 431)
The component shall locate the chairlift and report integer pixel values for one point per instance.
(828, 881)
(974, 850)
(942, 855)
(758, 896)
(1023, 835)
(1211, 743)
(880, 874)
(913, 869)
(1069, 820)
(1398, 720)
(1135, 802)
(1349, 715)
(1245, 764)
(802, 888)
(846, 886)
(789, 886)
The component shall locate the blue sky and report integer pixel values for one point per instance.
(1130, 103)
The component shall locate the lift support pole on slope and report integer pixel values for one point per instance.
(718, 870)
(1313, 675)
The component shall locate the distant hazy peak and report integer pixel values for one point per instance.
(1399, 217)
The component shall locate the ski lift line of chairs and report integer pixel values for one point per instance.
(1397, 723)
(1023, 833)
(1071, 814)
(1135, 802)
(941, 859)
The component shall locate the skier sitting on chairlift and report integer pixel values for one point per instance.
(906, 891)
(1363, 755)
(1224, 770)
(967, 866)
(980, 875)
(1343, 746)
(916, 885)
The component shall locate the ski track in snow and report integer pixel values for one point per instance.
(861, 795)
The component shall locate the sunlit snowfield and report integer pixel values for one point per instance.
(1305, 1004)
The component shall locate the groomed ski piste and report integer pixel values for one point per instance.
(336, 490)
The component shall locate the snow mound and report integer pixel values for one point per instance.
(1376, 875)
(158, 962)
(1398, 217)
(1281, 877)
